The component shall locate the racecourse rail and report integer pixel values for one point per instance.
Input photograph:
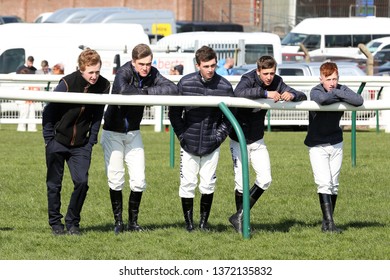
(9, 85)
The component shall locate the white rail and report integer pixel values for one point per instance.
(166, 100)
(282, 113)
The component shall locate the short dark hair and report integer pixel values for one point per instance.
(25, 71)
(30, 58)
(179, 68)
(205, 53)
(44, 63)
(266, 62)
(141, 51)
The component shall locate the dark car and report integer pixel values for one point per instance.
(10, 19)
(191, 26)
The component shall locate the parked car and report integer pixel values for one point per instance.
(381, 57)
(305, 69)
(313, 69)
(42, 17)
(382, 70)
(296, 57)
(10, 19)
(239, 70)
(376, 45)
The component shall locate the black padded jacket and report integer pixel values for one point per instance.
(127, 82)
(201, 130)
(252, 120)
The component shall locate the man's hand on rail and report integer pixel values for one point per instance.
(286, 96)
(274, 95)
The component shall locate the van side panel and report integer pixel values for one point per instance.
(225, 43)
(62, 43)
(339, 36)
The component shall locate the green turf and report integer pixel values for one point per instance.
(286, 221)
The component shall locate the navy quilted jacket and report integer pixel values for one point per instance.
(201, 130)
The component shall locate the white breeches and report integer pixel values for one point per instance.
(326, 161)
(120, 148)
(258, 156)
(191, 166)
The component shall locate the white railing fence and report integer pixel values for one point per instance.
(38, 88)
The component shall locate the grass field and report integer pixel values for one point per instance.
(286, 221)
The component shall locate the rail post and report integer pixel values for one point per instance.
(245, 170)
(353, 131)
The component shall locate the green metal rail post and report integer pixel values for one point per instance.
(353, 131)
(47, 88)
(269, 121)
(245, 170)
(171, 147)
(377, 111)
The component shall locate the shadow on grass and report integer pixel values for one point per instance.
(146, 227)
(283, 226)
(286, 225)
(358, 224)
(6, 228)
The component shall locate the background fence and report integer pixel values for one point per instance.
(376, 88)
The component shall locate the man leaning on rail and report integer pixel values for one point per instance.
(121, 136)
(261, 82)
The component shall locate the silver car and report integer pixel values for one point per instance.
(313, 69)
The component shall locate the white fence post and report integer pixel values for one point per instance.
(158, 118)
(385, 121)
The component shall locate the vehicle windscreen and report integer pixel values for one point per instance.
(312, 42)
(293, 39)
(373, 46)
(11, 59)
(291, 72)
(11, 19)
(254, 51)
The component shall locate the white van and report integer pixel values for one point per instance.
(62, 43)
(165, 61)
(245, 47)
(337, 37)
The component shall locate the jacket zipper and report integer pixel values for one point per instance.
(75, 126)
(78, 117)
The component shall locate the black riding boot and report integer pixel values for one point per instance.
(334, 199)
(117, 208)
(236, 219)
(205, 207)
(238, 199)
(188, 210)
(134, 202)
(327, 214)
